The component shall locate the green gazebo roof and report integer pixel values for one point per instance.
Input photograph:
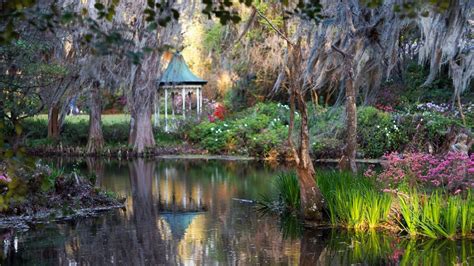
(178, 73)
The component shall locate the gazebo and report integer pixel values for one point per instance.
(178, 79)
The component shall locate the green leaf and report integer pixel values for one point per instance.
(99, 6)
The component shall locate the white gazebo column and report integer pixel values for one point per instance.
(183, 99)
(200, 100)
(166, 109)
(197, 101)
(173, 99)
(157, 109)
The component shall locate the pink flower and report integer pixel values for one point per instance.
(211, 118)
(5, 178)
(453, 171)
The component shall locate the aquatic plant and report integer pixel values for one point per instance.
(286, 196)
(289, 188)
(410, 211)
(379, 207)
(467, 215)
(353, 201)
(437, 215)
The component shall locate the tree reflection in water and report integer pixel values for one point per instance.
(182, 212)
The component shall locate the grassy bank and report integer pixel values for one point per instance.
(261, 131)
(75, 131)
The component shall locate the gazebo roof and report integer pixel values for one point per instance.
(178, 73)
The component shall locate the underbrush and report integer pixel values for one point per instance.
(30, 188)
(263, 128)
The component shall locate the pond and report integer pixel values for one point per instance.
(186, 212)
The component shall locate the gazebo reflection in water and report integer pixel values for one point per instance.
(167, 195)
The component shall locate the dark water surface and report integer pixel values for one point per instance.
(184, 212)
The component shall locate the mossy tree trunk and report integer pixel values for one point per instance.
(348, 160)
(311, 197)
(95, 142)
(53, 122)
(141, 98)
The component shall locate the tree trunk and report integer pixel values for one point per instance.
(311, 197)
(95, 142)
(142, 133)
(140, 99)
(347, 162)
(53, 122)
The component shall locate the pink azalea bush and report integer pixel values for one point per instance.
(4, 178)
(453, 171)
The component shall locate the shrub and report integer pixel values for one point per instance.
(451, 171)
(255, 131)
(378, 132)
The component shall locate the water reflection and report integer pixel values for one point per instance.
(182, 212)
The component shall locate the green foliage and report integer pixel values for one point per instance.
(47, 183)
(437, 215)
(284, 200)
(213, 38)
(289, 190)
(439, 91)
(256, 130)
(25, 75)
(410, 211)
(353, 201)
(378, 133)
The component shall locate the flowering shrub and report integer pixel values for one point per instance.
(219, 111)
(378, 132)
(441, 108)
(452, 171)
(4, 178)
(385, 108)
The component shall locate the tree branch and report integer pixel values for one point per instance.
(273, 27)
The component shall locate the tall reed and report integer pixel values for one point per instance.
(467, 215)
(438, 215)
(353, 201)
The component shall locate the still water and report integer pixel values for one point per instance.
(185, 212)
